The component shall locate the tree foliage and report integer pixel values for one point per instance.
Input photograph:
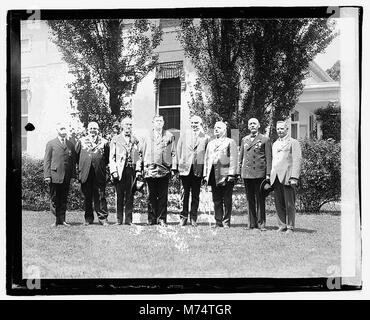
(334, 71)
(330, 117)
(108, 58)
(253, 68)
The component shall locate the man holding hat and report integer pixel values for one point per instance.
(122, 159)
(254, 167)
(286, 162)
(59, 168)
(93, 154)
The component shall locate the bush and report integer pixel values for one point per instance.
(35, 192)
(320, 180)
(330, 121)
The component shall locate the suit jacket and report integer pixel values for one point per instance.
(191, 153)
(255, 157)
(286, 160)
(224, 156)
(157, 155)
(59, 161)
(96, 154)
(119, 151)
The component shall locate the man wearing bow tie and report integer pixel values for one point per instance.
(93, 154)
(220, 169)
(123, 155)
(158, 162)
(254, 167)
(191, 149)
(59, 168)
(286, 162)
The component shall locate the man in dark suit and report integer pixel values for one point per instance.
(93, 157)
(286, 162)
(123, 156)
(191, 149)
(255, 166)
(158, 162)
(220, 169)
(59, 168)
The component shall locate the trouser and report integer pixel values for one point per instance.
(190, 183)
(285, 204)
(58, 200)
(94, 192)
(222, 200)
(256, 203)
(125, 197)
(158, 196)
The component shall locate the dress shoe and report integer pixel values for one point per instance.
(87, 223)
(54, 224)
(215, 226)
(117, 224)
(162, 223)
(129, 224)
(281, 229)
(152, 223)
(263, 229)
(183, 222)
(66, 224)
(289, 231)
(194, 224)
(249, 228)
(105, 223)
(226, 226)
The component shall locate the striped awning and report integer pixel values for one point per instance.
(169, 70)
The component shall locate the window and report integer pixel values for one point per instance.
(294, 128)
(171, 117)
(312, 127)
(170, 92)
(26, 45)
(24, 119)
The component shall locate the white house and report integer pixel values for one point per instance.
(46, 99)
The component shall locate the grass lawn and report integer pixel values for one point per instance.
(148, 252)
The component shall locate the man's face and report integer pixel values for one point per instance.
(195, 124)
(253, 125)
(218, 130)
(158, 123)
(62, 131)
(93, 130)
(126, 126)
(281, 130)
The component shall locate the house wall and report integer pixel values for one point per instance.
(44, 76)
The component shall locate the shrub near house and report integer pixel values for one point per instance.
(320, 180)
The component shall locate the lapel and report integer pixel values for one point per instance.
(256, 139)
(284, 143)
(220, 146)
(60, 144)
(122, 141)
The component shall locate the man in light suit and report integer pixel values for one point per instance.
(255, 166)
(220, 169)
(191, 149)
(59, 168)
(93, 154)
(123, 156)
(157, 162)
(286, 161)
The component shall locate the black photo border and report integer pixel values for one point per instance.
(15, 285)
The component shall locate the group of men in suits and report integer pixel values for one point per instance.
(156, 158)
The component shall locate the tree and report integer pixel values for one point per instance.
(253, 68)
(334, 71)
(108, 59)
